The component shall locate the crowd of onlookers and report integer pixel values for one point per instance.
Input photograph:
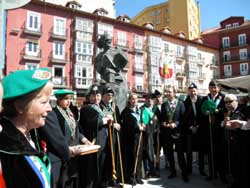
(41, 146)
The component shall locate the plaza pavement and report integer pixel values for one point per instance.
(195, 180)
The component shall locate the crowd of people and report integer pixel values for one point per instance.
(40, 145)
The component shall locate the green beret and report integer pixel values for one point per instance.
(208, 107)
(62, 92)
(23, 82)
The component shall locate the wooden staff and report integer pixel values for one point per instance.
(158, 145)
(112, 151)
(137, 156)
(119, 146)
(229, 176)
(211, 144)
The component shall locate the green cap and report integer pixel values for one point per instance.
(208, 107)
(62, 92)
(22, 82)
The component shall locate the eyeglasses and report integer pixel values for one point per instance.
(229, 102)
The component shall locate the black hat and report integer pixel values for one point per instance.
(213, 83)
(192, 86)
(94, 89)
(149, 96)
(157, 93)
(108, 90)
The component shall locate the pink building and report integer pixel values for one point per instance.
(64, 39)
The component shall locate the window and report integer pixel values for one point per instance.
(244, 69)
(228, 70)
(139, 82)
(84, 36)
(155, 59)
(122, 39)
(225, 42)
(178, 51)
(31, 66)
(84, 25)
(138, 42)
(236, 24)
(105, 28)
(84, 48)
(166, 48)
(228, 26)
(83, 76)
(139, 62)
(58, 50)
(32, 48)
(199, 56)
(155, 76)
(154, 43)
(58, 75)
(84, 52)
(242, 39)
(59, 26)
(226, 56)
(243, 54)
(33, 21)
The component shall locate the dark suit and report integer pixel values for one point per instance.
(193, 119)
(173, 136)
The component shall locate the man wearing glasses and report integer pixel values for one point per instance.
(238, 144)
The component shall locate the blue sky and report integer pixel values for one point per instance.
(212, 11)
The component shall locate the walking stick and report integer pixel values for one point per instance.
(112, 151)
(120, 157)
(119, 146)
(137, 156)
(158, 147)
(230, 176)
(211, 144)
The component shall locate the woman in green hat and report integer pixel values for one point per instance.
(62, 135)
(25, 108)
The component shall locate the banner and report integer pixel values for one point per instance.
(166, 68)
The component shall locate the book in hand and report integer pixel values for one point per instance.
(88, 149)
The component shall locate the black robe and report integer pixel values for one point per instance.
(130, 138)
(91, 124)
(57, 134)
(14, 147)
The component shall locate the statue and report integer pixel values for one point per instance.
(109, 64)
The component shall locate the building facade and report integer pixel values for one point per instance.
(178, 15)
(64, 39)
(233, 40)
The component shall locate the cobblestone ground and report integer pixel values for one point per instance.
(195, 180)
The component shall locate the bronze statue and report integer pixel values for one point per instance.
(109, 64)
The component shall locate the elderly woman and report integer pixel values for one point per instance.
(131, 139)
(62, 136)
(25, 107)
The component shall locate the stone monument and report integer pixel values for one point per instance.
(109, 64)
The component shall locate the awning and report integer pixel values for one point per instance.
(241, 83)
